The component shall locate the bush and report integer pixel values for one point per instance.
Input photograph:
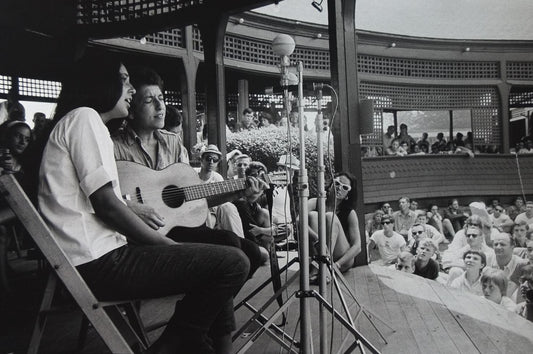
(267, 145)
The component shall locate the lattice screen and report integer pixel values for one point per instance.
(486, 126)
(5, 84)
(521, 97)
(437, 69)
(520, 70)
(483, 100)
(172, 38)
(375, 139)
(39, 88)
(173, 98)
(115, 11)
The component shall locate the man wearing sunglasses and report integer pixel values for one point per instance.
(224, 216)
(525, 309)
(500, 220)
(388, 242)
(454, 259)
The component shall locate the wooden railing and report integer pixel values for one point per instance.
(446, 176)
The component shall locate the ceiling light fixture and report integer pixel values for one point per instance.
(317, 5)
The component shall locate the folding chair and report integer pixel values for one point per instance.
(105, 321)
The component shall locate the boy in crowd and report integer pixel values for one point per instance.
(425, 266)
(405, 262)
(388, 242)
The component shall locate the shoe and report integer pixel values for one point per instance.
(287, 245)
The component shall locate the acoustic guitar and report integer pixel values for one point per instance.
(176, 192)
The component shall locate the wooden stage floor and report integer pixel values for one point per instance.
(426, 316)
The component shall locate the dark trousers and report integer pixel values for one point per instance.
(208, 275)
(203, 234)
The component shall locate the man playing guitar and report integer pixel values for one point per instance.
(144, 142)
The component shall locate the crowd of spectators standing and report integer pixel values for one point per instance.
(483, 249)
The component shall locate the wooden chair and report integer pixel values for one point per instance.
(105, 321)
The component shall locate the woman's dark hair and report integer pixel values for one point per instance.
(349, 202)
(8, 127)
(93, 83)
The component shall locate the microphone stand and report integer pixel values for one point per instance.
(305, 293)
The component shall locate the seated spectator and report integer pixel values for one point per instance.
(223, 216)
(389, 136)
(173, 120)
(526, 216)
(404, 218)
(283, 198)
(387, 209)
(475, 242)
(469, 141)
(388, 242)
(487, 232)
(423, 143)
(493, 203)
(241, 164)
(14, 139)
(431, 232)
(404, 145)
(413, 206)
(470, 280)
(494, 286)
(525, 307)
(527, 255)
(247, 121)
(405, 137)
(518, 207)
(374, 224)
(405, 262)
(436, 220)
(454, 214)
(425, 266)
(395, 149)
(439, 145)
(520, 231)
(458, 141)
(342, 228)
(266, 121)
(417, 151)
(231, 157)
(416, 233)
(505, 260)
(500, 221)
(256, 219)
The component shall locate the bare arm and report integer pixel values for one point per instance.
(121, 218)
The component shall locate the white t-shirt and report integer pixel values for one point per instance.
(464, 285)
(523, 217)
(78, 160)
(389, 247)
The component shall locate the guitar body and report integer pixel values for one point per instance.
(161, 190)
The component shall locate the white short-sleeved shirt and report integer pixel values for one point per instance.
(463, 284)
(389, 247)
(77, 161)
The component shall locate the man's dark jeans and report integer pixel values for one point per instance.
(208, 275)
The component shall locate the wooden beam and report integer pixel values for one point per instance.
(342, 44)
(213, 30)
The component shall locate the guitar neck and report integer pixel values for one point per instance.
(207, 190)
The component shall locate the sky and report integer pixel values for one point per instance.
(451, 19)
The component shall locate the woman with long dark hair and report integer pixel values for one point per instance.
(342, 224)
(81, 201)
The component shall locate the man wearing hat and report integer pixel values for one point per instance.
(224, 216)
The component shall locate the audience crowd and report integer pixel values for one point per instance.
(486, 250)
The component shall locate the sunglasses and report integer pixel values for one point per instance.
(242, 164)
(472, 235)
(211, 159)
(498, 209)
(344, 187)
(417, 233)
(386, 222)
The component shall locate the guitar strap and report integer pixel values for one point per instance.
(274, 265)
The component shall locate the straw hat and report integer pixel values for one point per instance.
(212, 148)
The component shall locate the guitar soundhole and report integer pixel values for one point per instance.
(172, 196)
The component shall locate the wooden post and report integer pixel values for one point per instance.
(188, 69)
(343, 49)
(505, 90)
(243, 100)
(213, 31)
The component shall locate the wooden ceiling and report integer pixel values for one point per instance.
(40, 36)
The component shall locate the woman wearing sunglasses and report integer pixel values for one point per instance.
(342, 225)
